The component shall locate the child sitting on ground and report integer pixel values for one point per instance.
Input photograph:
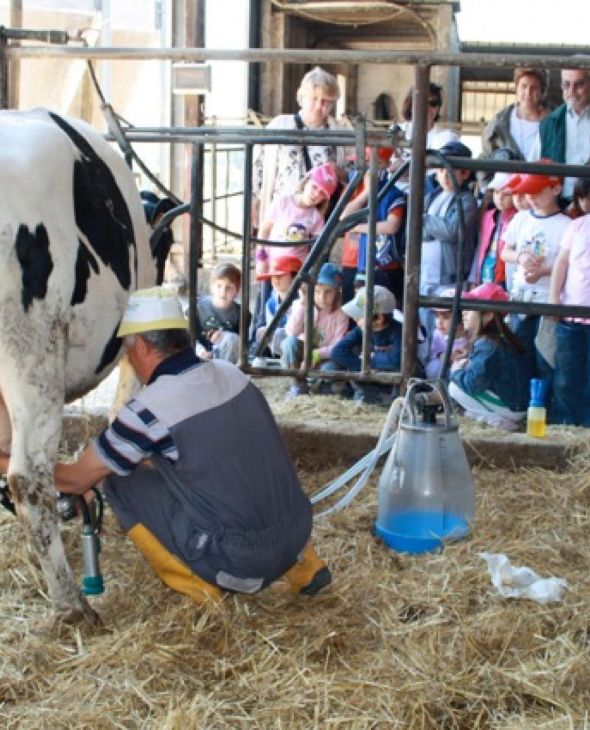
(281, 275)
(440, 336)
(491, 383)
(330, 325)
(570, 284)
(219, 316)
(386, 344)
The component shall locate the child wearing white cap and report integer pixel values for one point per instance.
(440, 336)
(386, 343)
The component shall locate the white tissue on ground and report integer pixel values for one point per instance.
(522, 582)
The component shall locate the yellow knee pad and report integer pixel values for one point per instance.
(173, 572)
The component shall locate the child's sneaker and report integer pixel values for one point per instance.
(296, 390)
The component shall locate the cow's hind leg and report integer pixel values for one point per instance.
(36, 410)
(35, 506)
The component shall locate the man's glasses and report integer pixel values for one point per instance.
(575, 85)
(434, 103)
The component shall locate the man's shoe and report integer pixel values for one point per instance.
(320, 580)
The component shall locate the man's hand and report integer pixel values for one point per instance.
(81, 475)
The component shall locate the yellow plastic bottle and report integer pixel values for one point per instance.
(537, 413)
(536, 421)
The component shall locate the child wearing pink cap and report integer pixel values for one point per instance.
(296, 217)
(492, 382)
(290, 220)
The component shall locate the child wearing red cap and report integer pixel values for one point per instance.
(281, 275)
(532, 243)
(492, 382)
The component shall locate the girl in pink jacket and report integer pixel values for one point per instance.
(330, 324)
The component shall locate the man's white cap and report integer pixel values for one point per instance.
(383, 302)
(152, 309)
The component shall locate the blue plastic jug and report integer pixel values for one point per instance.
(426, 490)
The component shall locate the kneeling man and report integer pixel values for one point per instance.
(196, 470)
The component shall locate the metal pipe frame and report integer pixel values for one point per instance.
(195, 245)
(422, 61)
(300, 56)
(246, 258)
(414, 223)
(370, 265)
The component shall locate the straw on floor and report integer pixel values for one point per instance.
(397, 641)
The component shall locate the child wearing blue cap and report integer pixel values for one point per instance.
(329, 325)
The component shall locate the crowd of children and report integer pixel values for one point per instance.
(518, 245)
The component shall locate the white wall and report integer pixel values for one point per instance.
(226, 26)
(139, 91)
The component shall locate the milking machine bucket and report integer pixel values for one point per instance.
(426, 490)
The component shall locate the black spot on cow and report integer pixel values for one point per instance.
(100, 208)
(32, 252)
(111, 350)
(84, 262)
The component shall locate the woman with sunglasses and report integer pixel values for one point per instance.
(437, 136)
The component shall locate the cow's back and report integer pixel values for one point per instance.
(73, 241)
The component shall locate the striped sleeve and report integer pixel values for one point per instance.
(132, 437)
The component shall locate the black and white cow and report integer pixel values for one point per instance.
(73, 245)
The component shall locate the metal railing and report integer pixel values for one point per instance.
(247, 137)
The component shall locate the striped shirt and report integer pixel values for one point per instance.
(136, 433)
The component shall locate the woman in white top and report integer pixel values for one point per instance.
(515, 127)
(278, 169)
